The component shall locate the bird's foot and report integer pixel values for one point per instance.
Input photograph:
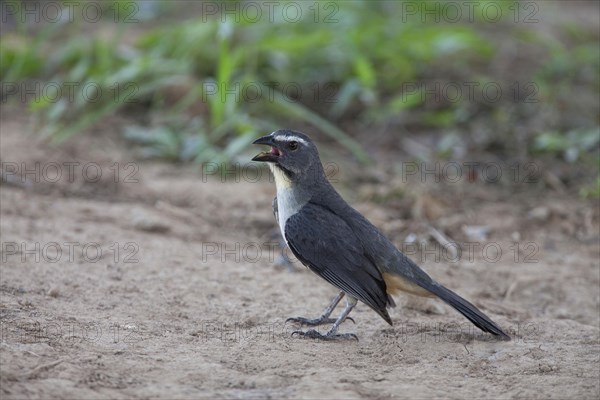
(314, 321)
(314, 334)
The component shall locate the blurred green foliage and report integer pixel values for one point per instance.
(570, 145)
(200, 88)
(591, 191)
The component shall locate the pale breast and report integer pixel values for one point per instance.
(288, 203)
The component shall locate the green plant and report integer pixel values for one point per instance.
(203, 87)
(570, 145)
(591, 191)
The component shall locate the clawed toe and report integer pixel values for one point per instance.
(315, 321)
(311, 322)
(314, 334)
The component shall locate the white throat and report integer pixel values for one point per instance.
(287, 203)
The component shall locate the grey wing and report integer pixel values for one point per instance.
(327, 245)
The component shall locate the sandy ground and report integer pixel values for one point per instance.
(162, 284)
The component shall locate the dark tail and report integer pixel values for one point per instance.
(467, 309)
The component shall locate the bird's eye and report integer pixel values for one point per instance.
(293, 145)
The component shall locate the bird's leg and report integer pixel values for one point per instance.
(331, 334)
(324, 318)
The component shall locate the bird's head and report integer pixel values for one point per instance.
(292, 153)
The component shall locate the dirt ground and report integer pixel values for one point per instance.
(161, 283)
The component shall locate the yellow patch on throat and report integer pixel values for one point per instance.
(396, 283)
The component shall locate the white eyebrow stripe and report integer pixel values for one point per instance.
(292, 139)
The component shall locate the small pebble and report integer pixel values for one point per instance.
(539, 214)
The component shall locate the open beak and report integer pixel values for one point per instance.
(267, 156)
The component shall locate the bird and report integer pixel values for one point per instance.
(340, 245)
